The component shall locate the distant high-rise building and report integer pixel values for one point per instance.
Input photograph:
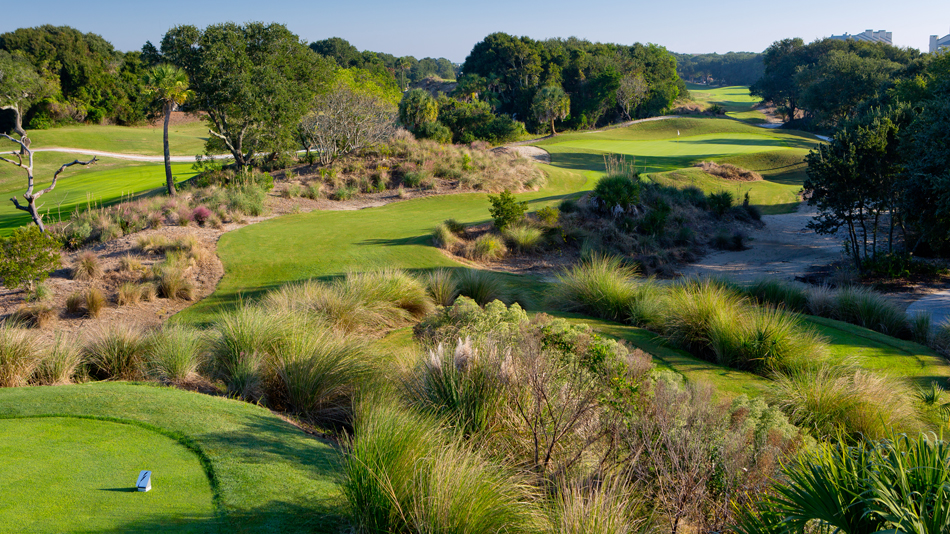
(867, 35)
(937, 42)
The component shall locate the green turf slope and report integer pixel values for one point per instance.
(264, 256)
(265, 474)
(82, 473)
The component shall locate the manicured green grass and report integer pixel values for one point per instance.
(323, 244)
(677, 144)
(735, 99)
(81, 473)
(885, 354)
(183, 139)
(265, 474)
(106, 181)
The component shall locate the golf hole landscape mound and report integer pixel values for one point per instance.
(81, 473)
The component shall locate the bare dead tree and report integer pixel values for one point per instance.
(26, 152)
(633, 89)
(344, 121)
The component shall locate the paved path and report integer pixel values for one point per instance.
(129, 157)
(937, 305)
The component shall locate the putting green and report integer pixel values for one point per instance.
(81, 473)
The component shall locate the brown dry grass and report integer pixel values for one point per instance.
(729, 172)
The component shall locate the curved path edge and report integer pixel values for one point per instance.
(129, 157)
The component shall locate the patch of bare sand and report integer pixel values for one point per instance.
(783, 248)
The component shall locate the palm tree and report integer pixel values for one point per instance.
(168, 84)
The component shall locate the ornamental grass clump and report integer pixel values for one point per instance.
(846, 400)
(444, 238)
(19, 355)
(317, 375)
(601, 286)
(34, 315)
(871, 310)
(458, 386)
(482, 286)
(780, 294)
(59, 363)
(117, 352)
(523, 238)
(359, 302)
(174, 353)
(243, 341)
(486, 247)
(597, 506)
(402, 475)
(442, 286)
(713, 322)
(87, 266)
(95, 302)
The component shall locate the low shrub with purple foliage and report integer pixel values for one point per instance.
(201, 215)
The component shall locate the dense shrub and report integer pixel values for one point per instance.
(617, 192)
(720, 203)
(506, 210)
(28, 256)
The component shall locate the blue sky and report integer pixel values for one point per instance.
(450, 29)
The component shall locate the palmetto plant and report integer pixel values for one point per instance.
(169, 85)
(897, 485)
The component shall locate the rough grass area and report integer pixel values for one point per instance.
(83, 471)
(264, 474)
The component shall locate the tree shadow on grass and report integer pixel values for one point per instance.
(320, 516)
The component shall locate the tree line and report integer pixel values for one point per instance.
(82, 78)
(604, 82)
(883, 179)
(733, 68)
(824, 82)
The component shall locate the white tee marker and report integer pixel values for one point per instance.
(144, 482)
